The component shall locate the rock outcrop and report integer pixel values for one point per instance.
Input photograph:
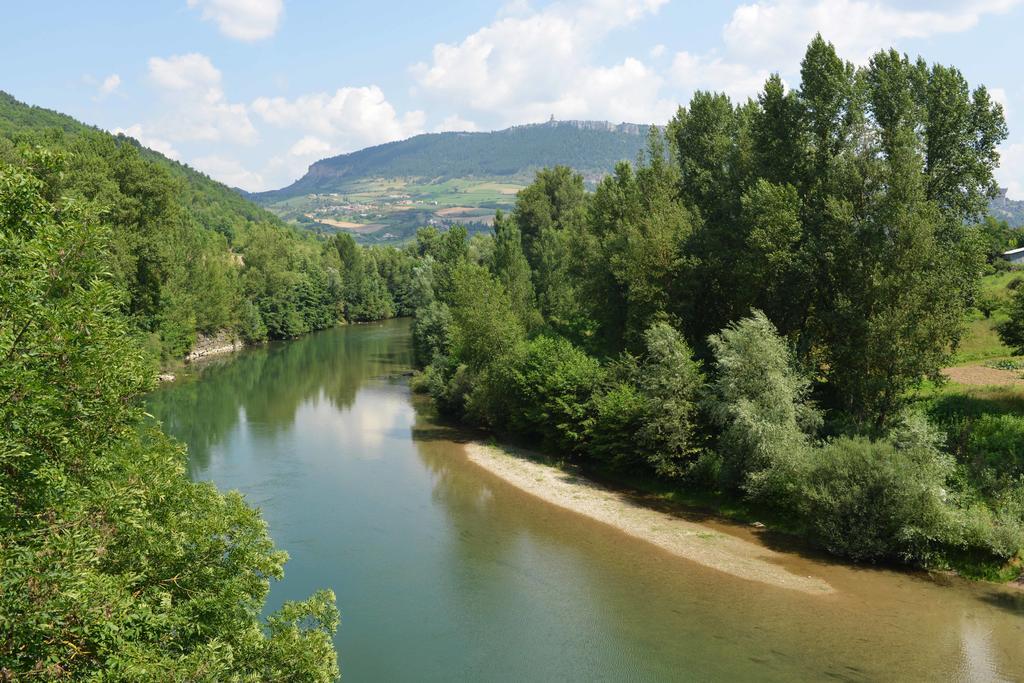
(222, 342)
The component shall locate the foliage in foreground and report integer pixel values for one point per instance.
(113, 565)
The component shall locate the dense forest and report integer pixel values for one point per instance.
(751, 311)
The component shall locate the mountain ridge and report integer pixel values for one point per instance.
(590, 147)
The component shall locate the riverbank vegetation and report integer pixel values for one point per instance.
(753, 308)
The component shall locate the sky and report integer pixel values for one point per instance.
(253, 91)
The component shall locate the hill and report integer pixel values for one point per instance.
(192, 256)
(384, 193)
(1009, 210)
(214, 205)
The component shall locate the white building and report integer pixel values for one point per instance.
(1015, 256)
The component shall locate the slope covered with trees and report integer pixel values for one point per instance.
(750, 309)
(193, 256)
(591, 147)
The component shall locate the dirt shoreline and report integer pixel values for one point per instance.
(690, 540)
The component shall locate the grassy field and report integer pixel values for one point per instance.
(981, 343)
(382, 210)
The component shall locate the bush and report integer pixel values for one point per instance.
(869, 500)
(431, 333)
(449, 383)
(759, 401)
(1011, 331)
(988, 304)
(618, 415)
(548, 386)
(997, 442)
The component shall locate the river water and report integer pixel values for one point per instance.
(444, 572)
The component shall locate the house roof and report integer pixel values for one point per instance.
(1018, 250)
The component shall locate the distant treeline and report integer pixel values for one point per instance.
(749, 310)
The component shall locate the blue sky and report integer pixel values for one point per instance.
(253, 91)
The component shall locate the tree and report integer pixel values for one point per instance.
(1011, 331)
(670, 381)
(485, 324)
(759, 402)
(509, 265)
(548, 213)
(116, 566)
(633, 256)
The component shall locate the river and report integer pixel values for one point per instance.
(444, 572)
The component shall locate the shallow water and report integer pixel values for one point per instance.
(443, 571)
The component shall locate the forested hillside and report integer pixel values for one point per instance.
(754, 311)
(591, 147)
(192, 255)
(384, 194)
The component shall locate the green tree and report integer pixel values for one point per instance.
(114, 565)
(509, 265)
(633, 256)
(548, 213)
(671, 382)
(759, 402)
(485, 325)
(1011, 331)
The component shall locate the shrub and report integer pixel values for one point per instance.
(1011, 331)
(997, 442)
(759, 401)
(618, 415)
(431, 333)
(988, 304)
(871, 499)
(548, 387)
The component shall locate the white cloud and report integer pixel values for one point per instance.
(229, 171)
(657, 51)
(146, 140)
(110, 84)
(242, 19)
(184, 72)
(529, 64)
(455, 123)
(310, 146)
(198, 108)
(777, 31)
(629, 91)
(348, 119)
(738, 81)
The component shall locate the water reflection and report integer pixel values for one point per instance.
(266, 385)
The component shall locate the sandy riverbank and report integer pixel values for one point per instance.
(690, 540)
